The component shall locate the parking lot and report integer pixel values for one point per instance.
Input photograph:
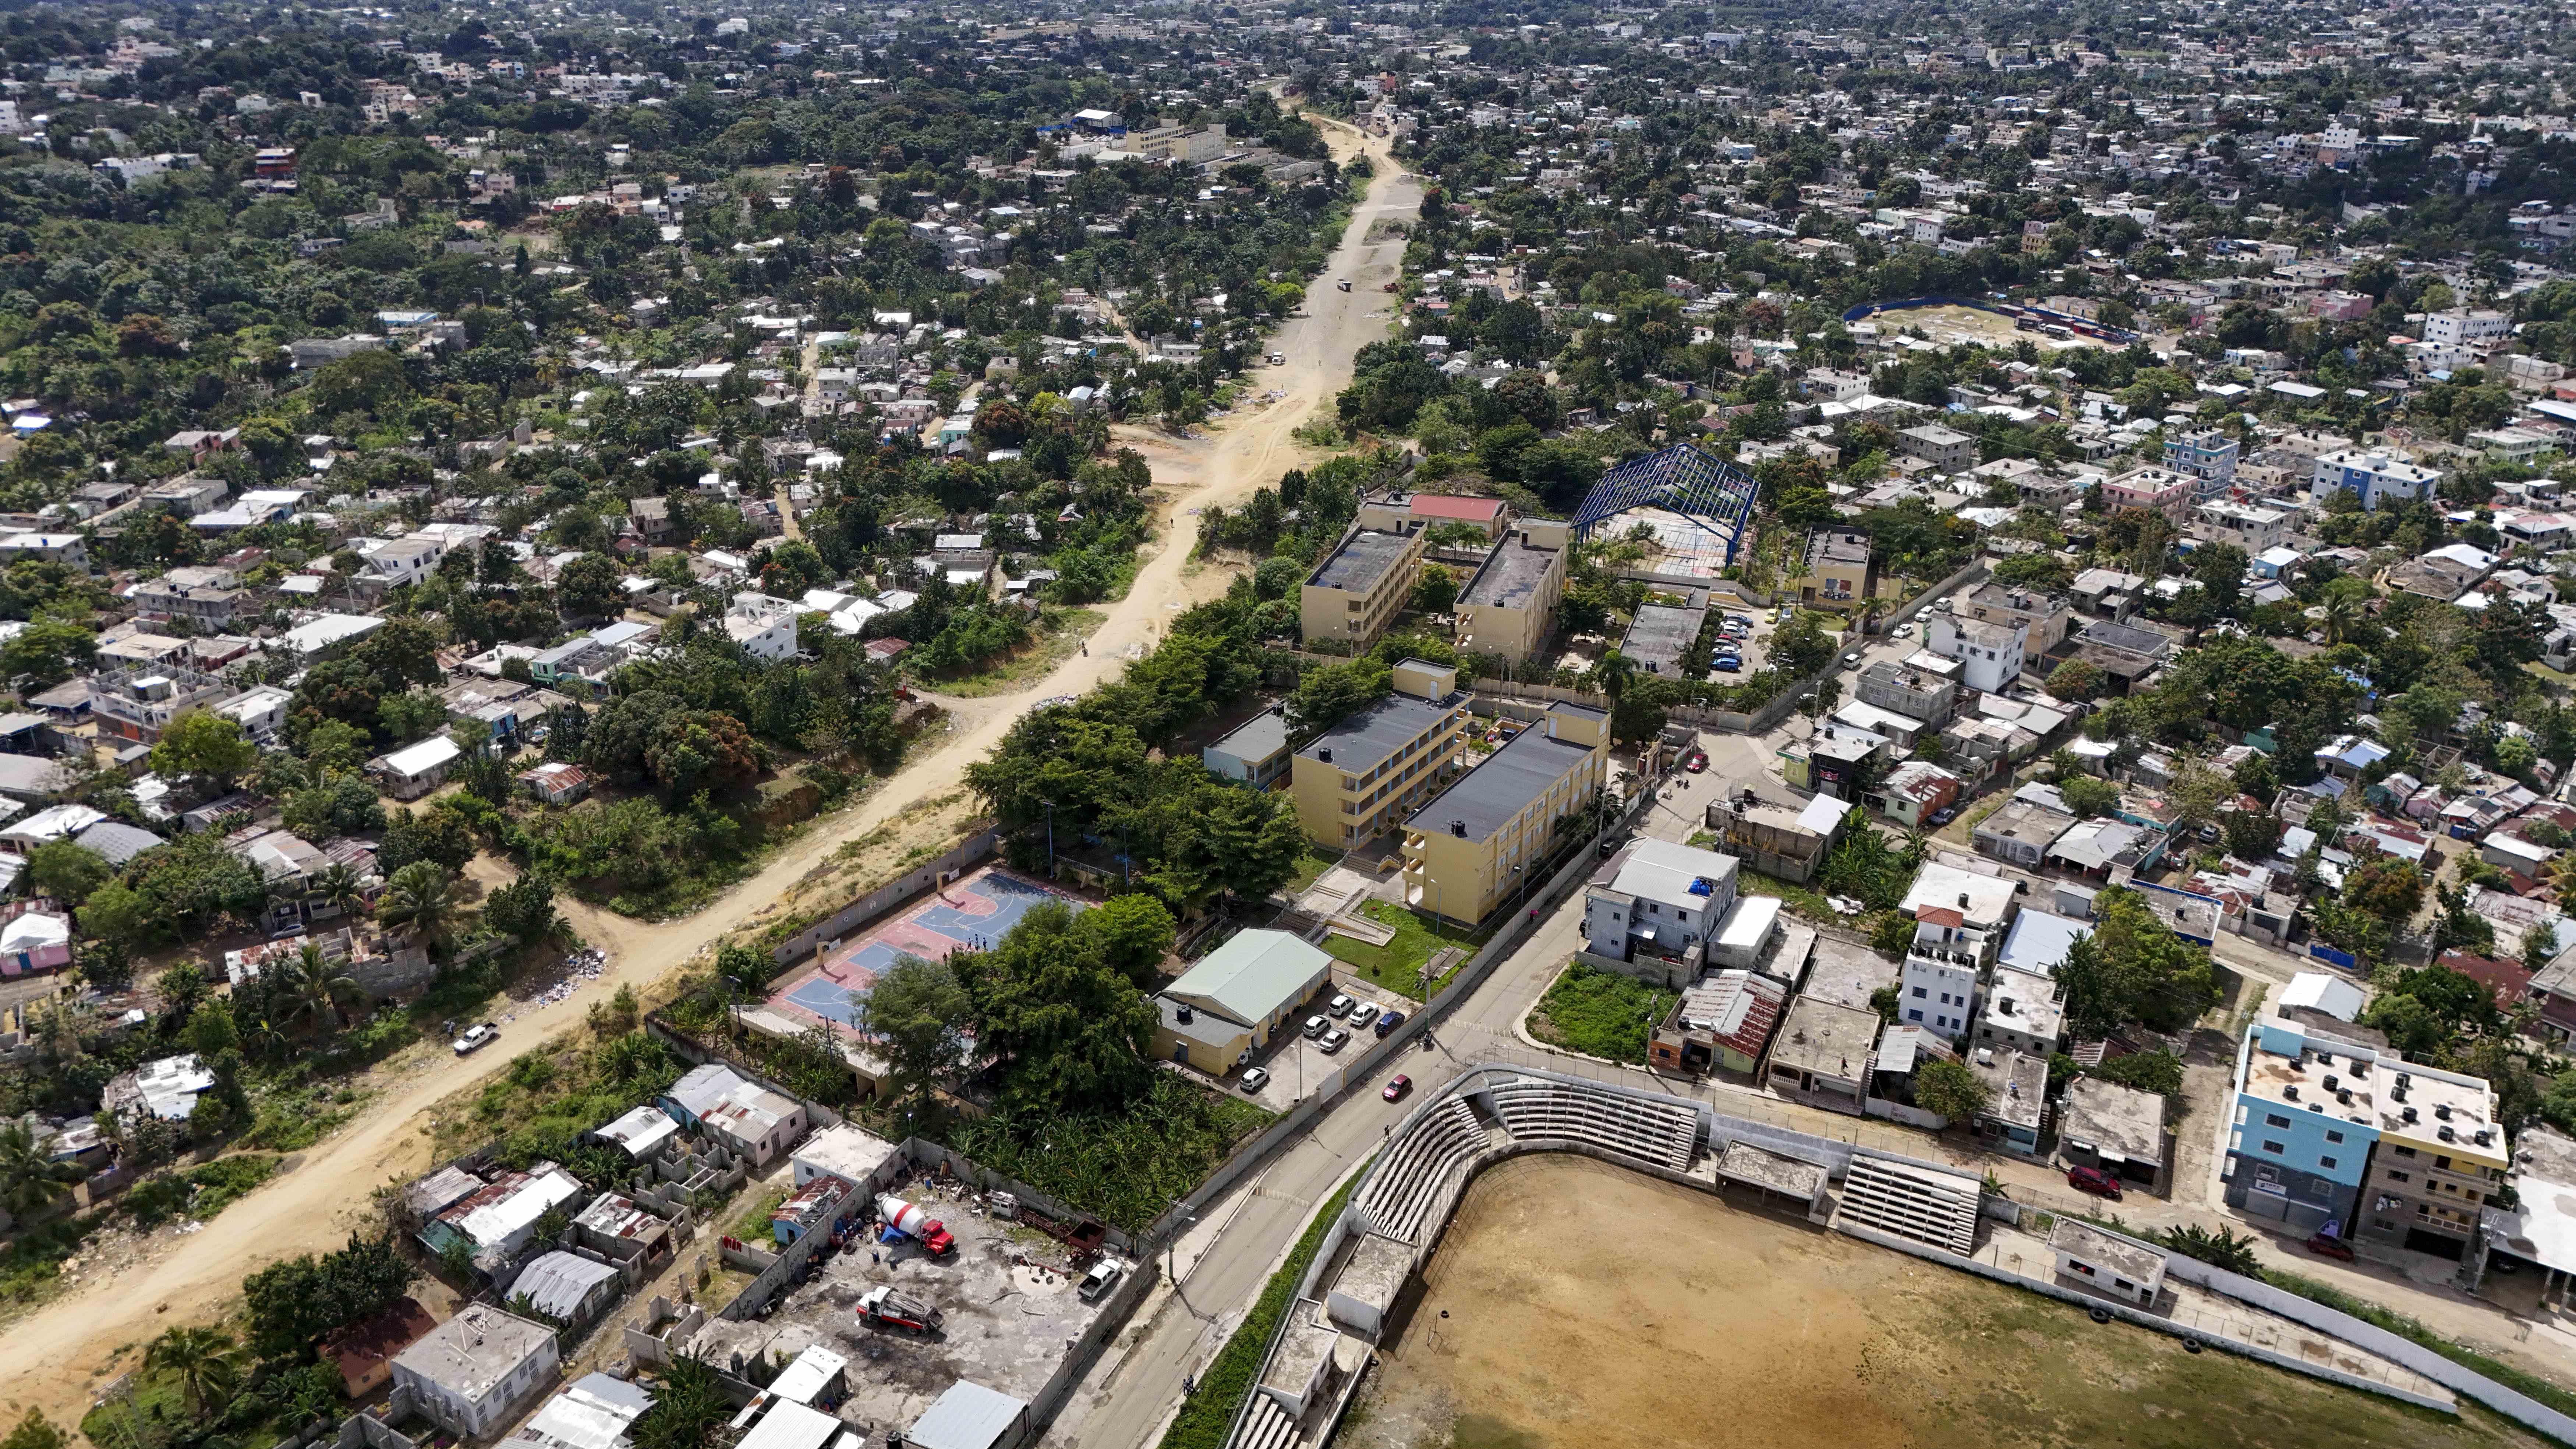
(1753, 646)
(1006, 1295)
(1299, 1065)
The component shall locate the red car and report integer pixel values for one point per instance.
(2335, 1248)
(1396, 1088)
(1697, 762)
(2095, 1181)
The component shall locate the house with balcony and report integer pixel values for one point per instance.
(1350, 597)
(2206, 456)
(1836, 572)
(1661, 899)
(1990, 655)
(2373, 477)
(1367, 773)
(2152, 490)
(2334, 1130)
(2249, 526)
(1508, 608)
(1481, 843)
(1918, 694)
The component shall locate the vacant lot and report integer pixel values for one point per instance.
(1676, 1319)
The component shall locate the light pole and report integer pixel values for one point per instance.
(1050, 829)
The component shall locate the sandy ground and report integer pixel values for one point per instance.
(1969, 324)
(58, 1355)
(1659, 1315)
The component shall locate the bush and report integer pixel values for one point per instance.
(1126, 1165)
(1206, 1415)
(1600, 1013)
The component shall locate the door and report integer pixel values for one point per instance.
(1181, 1052)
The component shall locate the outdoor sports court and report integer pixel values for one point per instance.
(966, 915)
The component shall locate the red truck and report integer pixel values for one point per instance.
(902, 1219)
(888, 1309)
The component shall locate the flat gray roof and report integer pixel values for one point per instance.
(1658, 635)
(1509, 576)
(2115, 1121)
(1362, 559)
(1509, 779)
(1362, 741)
(1256, 739)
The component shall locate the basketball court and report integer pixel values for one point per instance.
(966, 915)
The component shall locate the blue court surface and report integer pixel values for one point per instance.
(971, 914)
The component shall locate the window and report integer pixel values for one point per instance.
(1914, 1015)
(2275, 1119)
(2273, 1147)
(2327, 1163)
(2443, 1163)
(2405, 1151)
(2399, 1177)
(1920, 993)
(2334, 1137)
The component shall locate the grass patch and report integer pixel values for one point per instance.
(197, 1192)
(2518, 1380)
(753, 1225)
(290, 1119)
(31, 1266)
(1207, 1414)
(1396, 967)
(540, 1106)
(1600, 1013)
(1127, 1165)
(1801, 900)
(1064, 632)
(1310, 869)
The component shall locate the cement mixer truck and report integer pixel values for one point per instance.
(903, 1220)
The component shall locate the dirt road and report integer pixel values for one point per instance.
(57, 1356)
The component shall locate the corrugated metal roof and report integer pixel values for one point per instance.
(968, 1416)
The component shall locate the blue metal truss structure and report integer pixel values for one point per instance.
(1710, 492)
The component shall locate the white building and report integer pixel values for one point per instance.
(763, 626)
(2375, 477)
(1989, 653)
(475, 1372)
(1665, 897)
(2467, 328)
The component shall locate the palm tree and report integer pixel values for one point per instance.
(2342, 613)
(1611, 676)
(311, 985)
(30, 1179)
(421, 902)
(340, 889)
(201, 1359)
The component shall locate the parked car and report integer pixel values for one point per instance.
(1277, 358)
(1396, 1087)
(2095, 1181)
(1945, 815)
(1097, 1281)
(1340, 1005)
(1727, 663)
(1363, 1014)
(1334, 1040)
(1254, 1079)
(1315, 1026)
(2335, 1248)
(1851, 659)
(1695, 761)
(476, 1038)
(1904, 630)
(1609, 846)
(1389, 1021)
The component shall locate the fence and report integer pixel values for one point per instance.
(791, 1259)
(2459, 1379)
(886, 897)
(1467, 978)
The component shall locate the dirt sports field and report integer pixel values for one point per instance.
(1589, 1306)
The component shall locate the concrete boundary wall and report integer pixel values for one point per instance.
(2141, 1317)
(884, 898)
(2458, 1378)
(1718, 1129)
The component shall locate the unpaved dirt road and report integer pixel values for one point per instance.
(55, 1358)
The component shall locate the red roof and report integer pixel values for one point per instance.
(365, 1354)
(885, 648)
(1940, 916)
(2507, 979)
(1457, 507)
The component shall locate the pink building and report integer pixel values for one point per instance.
(2154, 490)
